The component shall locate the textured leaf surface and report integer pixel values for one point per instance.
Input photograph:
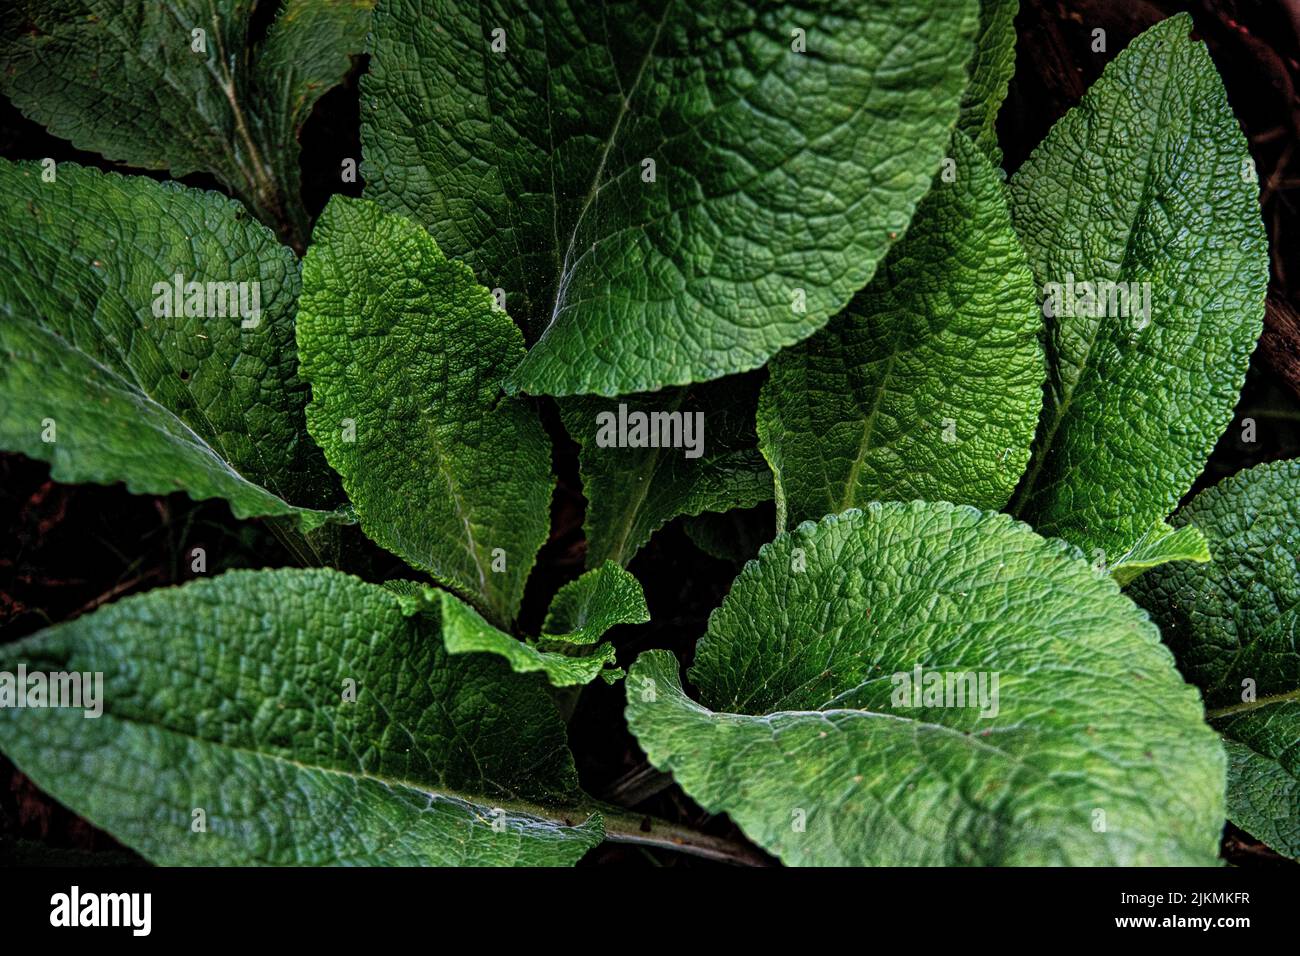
(796, 678)
(583, 610)
(1264, 773)
(990, 74)
(569, 650)
(405, 353)
(929, 384)
(121, 78)
(1147, 180)
(633, 492)
(228, 695)
(164, 404)
(1161, 545)
(464, 631)
(308, 51)
(1233, 625)
(775, 170)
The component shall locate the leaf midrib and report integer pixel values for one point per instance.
(1025, 492)
(563, 272)
(547, 814)
(643, 477)
(134, 390)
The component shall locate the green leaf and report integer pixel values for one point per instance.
(634, 490)
(308, 51)
(1146, 183)
(1235, 618)
(123, 78)
(930, 383)
(427, 760)
(464, 631)
(1090, 749)
(583, 610)
(990, 75)
(405, 353)
(781, 177)
(1232, 624)
(568, 651)
(733, 536)
(1161, 545)
(96, 383)
(1264, 773)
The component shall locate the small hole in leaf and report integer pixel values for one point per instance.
(185, 376)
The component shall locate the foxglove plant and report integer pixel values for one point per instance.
(748, 255)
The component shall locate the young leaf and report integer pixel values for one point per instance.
(174, 86)
(1161, 545)
(1232, 624)
(929, 384)
(1089, 748)
(405, 353)
(583, 610)
(464, 631)
(343, 734)
(991, 70)
(112, 373)
(568, 651)
(1140, 214)
(667, 192)
(633, 489)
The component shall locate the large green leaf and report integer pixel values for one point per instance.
(791, 144)
(309, 719)
(95, 382)
(1089, 750)
(569, 650)
(991, 70)
(929, 385)
(1147, 181)
(405, 353)
(632, 492)
(123, 78)
(1233, 625)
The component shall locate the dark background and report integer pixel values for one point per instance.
(69, 549)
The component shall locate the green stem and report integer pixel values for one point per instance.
(294, 542)
(624, 827)
(1252, 704)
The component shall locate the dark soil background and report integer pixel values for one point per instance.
(65, 550)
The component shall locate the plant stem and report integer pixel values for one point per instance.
(294, 541)
(637, 786)
(624, 827)
(1251, 704)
